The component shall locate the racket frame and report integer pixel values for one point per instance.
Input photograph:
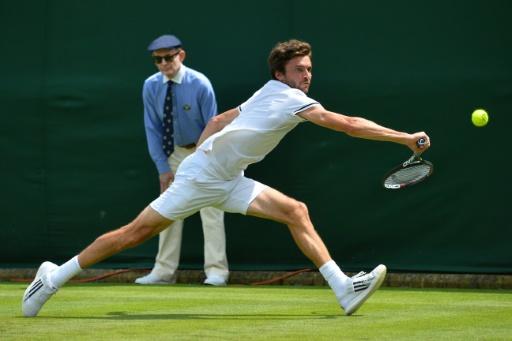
(413, 161)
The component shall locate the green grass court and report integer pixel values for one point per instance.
(193, 312)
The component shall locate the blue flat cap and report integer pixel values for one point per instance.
(166, 41)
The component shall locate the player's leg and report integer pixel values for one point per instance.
(51, 277)
(167, 258)
(148, 224)
(351, 293)
(169, 240)
(274, 205)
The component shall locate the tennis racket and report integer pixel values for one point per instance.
(410, 172)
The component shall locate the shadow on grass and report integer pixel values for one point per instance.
(118, 315)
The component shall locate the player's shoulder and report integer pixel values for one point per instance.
(275, 86)
(294, 92)
(285, 92)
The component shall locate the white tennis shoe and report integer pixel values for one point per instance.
(359, 274)
(39, 291)
(364, 285)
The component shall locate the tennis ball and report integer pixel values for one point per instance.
(479, 117)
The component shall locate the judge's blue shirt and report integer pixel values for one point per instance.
(193, 106)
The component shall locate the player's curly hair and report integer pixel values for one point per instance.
(284, 51)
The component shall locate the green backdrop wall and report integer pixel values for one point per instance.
(74, 162)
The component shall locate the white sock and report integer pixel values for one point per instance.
(338, 281)
(65, 272)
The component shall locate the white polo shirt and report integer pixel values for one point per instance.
(264, 120)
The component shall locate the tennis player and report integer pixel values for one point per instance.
(213, 176)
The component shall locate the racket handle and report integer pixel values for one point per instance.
(421, 142)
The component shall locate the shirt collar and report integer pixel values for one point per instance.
(178, 77)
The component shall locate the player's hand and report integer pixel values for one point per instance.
(165, 180)
(417, 147)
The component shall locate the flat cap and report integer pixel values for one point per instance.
(166, 41)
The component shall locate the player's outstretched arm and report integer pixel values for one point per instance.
(362, 128)
(217, 123)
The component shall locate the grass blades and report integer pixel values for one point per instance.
(192, 312)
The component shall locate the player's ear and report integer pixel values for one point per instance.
(279, 75)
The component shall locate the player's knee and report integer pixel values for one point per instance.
(298, 212)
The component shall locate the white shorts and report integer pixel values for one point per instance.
(195, 186)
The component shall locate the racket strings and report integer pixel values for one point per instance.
(408, 175)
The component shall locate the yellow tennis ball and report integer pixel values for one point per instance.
(479, 117)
